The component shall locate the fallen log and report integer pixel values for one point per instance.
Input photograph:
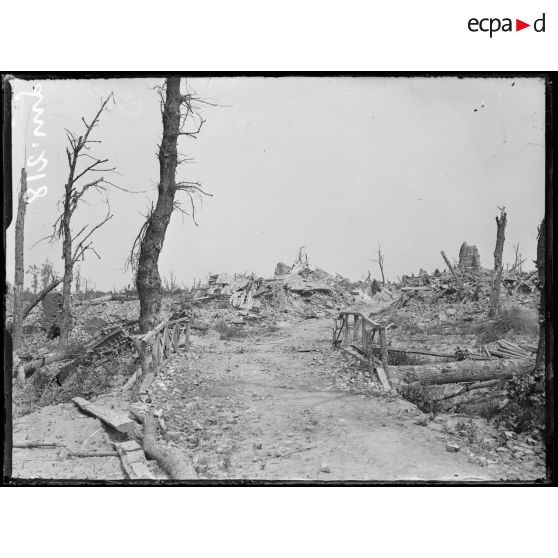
(54, 283)
(119, 421)
(176, 464)
(27, 369)
(461, 371)
(467, 388)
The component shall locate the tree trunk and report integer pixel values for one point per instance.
(495, 304)
(66, 321)
(174, 462)
(17, 331)
(461, 371)
(540, 363)
(148, 280)
(29, 368)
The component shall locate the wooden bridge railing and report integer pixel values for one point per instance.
(159, 343)
(354, 334)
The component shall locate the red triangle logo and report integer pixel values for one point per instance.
(519, 25)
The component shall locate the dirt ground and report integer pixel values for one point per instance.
(279, 406)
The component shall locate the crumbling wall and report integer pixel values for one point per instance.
(282, 269)
(469, 257)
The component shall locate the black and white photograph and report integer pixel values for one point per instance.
(277, 278)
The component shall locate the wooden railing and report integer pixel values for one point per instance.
(354, 334)
(155, 347)
(164, 339)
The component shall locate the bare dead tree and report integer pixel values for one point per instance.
(170, 283)
(181, 115)
(495, 303)
(380, 261)
(518, 258)
(47, 273)
(17, 330)
(75, 188)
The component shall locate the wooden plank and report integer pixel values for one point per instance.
(175, 334)
(119, 421)
(131, 380)
(352, 352)
(365, 318)
(459, 282)
(133, 460)
(383, 378)
(150, 334)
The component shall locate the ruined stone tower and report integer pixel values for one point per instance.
(469, 257)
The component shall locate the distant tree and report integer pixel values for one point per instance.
(47, 274)
(170, 283)
(34, 271)
(380, 261)
(518, 258)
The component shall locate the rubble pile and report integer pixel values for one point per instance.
(298, 290)
(468, 287)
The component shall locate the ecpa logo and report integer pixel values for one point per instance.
(492, 25)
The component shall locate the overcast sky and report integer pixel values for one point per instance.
(335, 164)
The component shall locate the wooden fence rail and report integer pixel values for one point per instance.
(354, 334)
(160, 343)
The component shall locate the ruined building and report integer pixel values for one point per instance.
(469, 257)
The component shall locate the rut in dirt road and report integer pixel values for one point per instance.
(262, 409)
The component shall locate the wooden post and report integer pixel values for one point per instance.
(370, 353)
(334, 330)
(364, 338)
(154, 351)
(346, 330)
(175, 330)
(166, 342)
(383, 348)
(459, 282)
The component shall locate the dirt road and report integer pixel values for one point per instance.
(262, 409)
(280, 405)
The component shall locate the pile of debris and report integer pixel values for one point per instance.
(297, 289)
(464, 283)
